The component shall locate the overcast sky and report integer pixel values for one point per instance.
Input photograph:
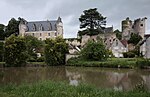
(70, 11)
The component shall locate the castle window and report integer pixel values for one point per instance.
(48, 34)
(41, 28)
(55, 34)
(116, 42)
(34, 27)
(50, 27)
(141, 25)
(40, 34)
(32, 34)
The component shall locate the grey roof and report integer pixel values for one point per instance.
(45, 25)
(108, 29)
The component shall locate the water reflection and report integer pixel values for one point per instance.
(123, 79)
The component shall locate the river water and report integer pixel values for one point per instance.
(118, 79)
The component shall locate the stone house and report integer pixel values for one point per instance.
(145, 46)
(118, 47)
(41, 29)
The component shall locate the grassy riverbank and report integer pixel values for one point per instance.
(55, 89)
(111, 63)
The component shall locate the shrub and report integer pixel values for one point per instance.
(94, 51)
(15, 51)
(55, 51)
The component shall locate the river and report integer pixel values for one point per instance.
(118, 79)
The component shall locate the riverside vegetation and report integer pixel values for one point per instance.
(61, 89)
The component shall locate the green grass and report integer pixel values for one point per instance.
(110, 63)
(60, 89)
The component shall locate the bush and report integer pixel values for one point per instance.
(55, 51)
(15, 51)
(1, 51)
(142, 63)
(128, 54)
(94, 51)
(40, 59)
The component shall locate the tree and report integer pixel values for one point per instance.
(34, 46)
(134, 39)
(94, 51)
(1, 51)
(55, 51)
(92, 21)
(12, 27)
(2, 32)
(15, 53)
(118, 34)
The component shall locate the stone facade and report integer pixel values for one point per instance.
(41, 29)
(145, 47)
(128, 27)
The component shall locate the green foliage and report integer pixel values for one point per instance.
(1, 51)
(94, 51)
(60, 89)
(15, 51)
(55, 51)
(2, 32)
(128, 54)
(12, 27)
(135, 38)
(92, 21)
(143, 63)
(118, 34)
(110, 63)
(34, 46)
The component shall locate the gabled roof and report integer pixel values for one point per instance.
(124, 42)
(46, 26)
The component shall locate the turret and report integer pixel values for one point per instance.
(22, 27)
(59, 27)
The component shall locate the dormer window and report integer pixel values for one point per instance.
(34, 27)
(50, 27)
(41, 28)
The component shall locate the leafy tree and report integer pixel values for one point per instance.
(94, 51)
(55, 51)
(135, 38)
(34, 46)
(118, 34)
(1, 51)
(92, 22)
(15, 51)
(2, 32)
(12, 27)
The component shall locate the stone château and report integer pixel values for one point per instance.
(41, 29)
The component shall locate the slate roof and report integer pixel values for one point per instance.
(108, 29)
(45, 25)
